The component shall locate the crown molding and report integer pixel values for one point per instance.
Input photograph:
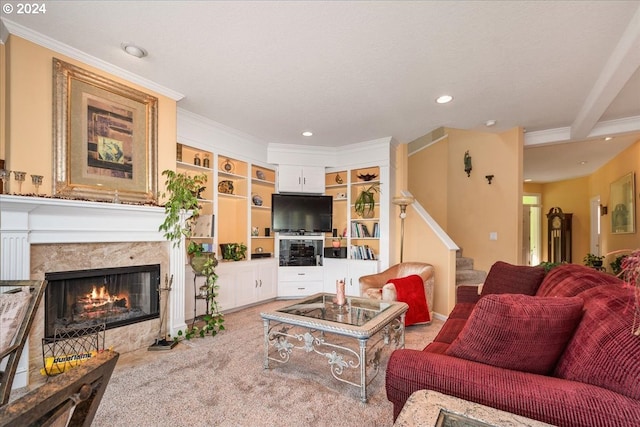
(64, 49)
(601, 129)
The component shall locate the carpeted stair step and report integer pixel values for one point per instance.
(470, 277)
(464, 263)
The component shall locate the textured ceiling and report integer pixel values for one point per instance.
(358, 70)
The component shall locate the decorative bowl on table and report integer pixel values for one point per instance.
(368, 176)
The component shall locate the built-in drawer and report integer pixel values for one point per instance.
(298, 289)
(300, 274)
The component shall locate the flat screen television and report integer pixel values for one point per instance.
(301, 213)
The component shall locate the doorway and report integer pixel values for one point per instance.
(531, 229)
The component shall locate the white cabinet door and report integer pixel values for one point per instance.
(358, 268)
(267, 280)
(246, 284)
(313, 179)
(300, 179)
(226, 288)
(335, 269)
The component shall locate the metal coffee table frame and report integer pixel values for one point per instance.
(378, 324)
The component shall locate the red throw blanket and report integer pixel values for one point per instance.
(410, 289)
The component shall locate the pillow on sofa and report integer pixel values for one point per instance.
(505, 278)
(410, 289)
(518, 332)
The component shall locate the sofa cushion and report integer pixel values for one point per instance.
(518, 332)
(410, 289)
(569, 280)
(603, 351)
(505, 278)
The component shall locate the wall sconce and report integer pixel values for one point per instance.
(489, 178)
(467, 163)
(603, 210)
(403, 202)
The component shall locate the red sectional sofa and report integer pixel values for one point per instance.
(557, 348)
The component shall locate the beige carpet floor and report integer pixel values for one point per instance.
(220, 381)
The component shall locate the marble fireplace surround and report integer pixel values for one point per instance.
(40, 235)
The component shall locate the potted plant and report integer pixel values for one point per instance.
(233, 251)
(214, 319)
(181, 197)
(365, 202)
(198, 257)
(591, 260)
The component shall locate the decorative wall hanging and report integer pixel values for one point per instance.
(623, 205)
(467, 163)
(105, 137)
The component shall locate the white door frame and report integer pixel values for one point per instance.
(594, 225)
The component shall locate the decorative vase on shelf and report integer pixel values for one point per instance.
(335, 243)
(256, 199)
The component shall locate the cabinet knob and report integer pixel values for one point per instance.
(256, 283)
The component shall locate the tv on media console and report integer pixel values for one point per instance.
(301, 213)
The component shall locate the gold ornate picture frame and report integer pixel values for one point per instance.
(105, 138)
(622, 205)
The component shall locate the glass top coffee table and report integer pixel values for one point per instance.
(351, 336)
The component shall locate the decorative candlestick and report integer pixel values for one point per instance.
(37, 181)
(19, 176)
(4, 174)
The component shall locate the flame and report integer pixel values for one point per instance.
(100, 296)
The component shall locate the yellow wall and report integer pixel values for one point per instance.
(468, 208)
(573, 196)
(599, 184)
(29, 113)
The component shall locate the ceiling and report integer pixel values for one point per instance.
(354, 71)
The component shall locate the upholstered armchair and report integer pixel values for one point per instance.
(376, 286)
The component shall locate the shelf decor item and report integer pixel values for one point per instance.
(206, 162)
(227, 166)
(260, 174)
(365, 202)
(196, 159)
(367, 176)
(225, 186)
(339, 179)
(256, 199)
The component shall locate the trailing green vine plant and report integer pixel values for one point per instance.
(214, 320)
(181, 193)
(181, 196)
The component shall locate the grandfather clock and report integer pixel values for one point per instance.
(559, 235)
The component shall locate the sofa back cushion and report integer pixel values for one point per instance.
(519, 332)
(603, 351)
(568, 280)
(505, 278)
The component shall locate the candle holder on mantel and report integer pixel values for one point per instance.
(19, 176)
(37, 181)
(4, 175)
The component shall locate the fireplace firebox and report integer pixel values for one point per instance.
(113, 296)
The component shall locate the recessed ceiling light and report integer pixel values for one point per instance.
(528, 180)
(583, 162)
(609, 138)
(134, 50)
(307, 133)
(444, 99)
(490, 123)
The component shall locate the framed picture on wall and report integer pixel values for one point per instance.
(105, 138)
(622, 205)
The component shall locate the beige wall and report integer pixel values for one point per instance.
(468, 208)
(29, 113)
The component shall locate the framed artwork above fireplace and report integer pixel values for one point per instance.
(105, 138)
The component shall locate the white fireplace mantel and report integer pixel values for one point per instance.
(26, 221)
